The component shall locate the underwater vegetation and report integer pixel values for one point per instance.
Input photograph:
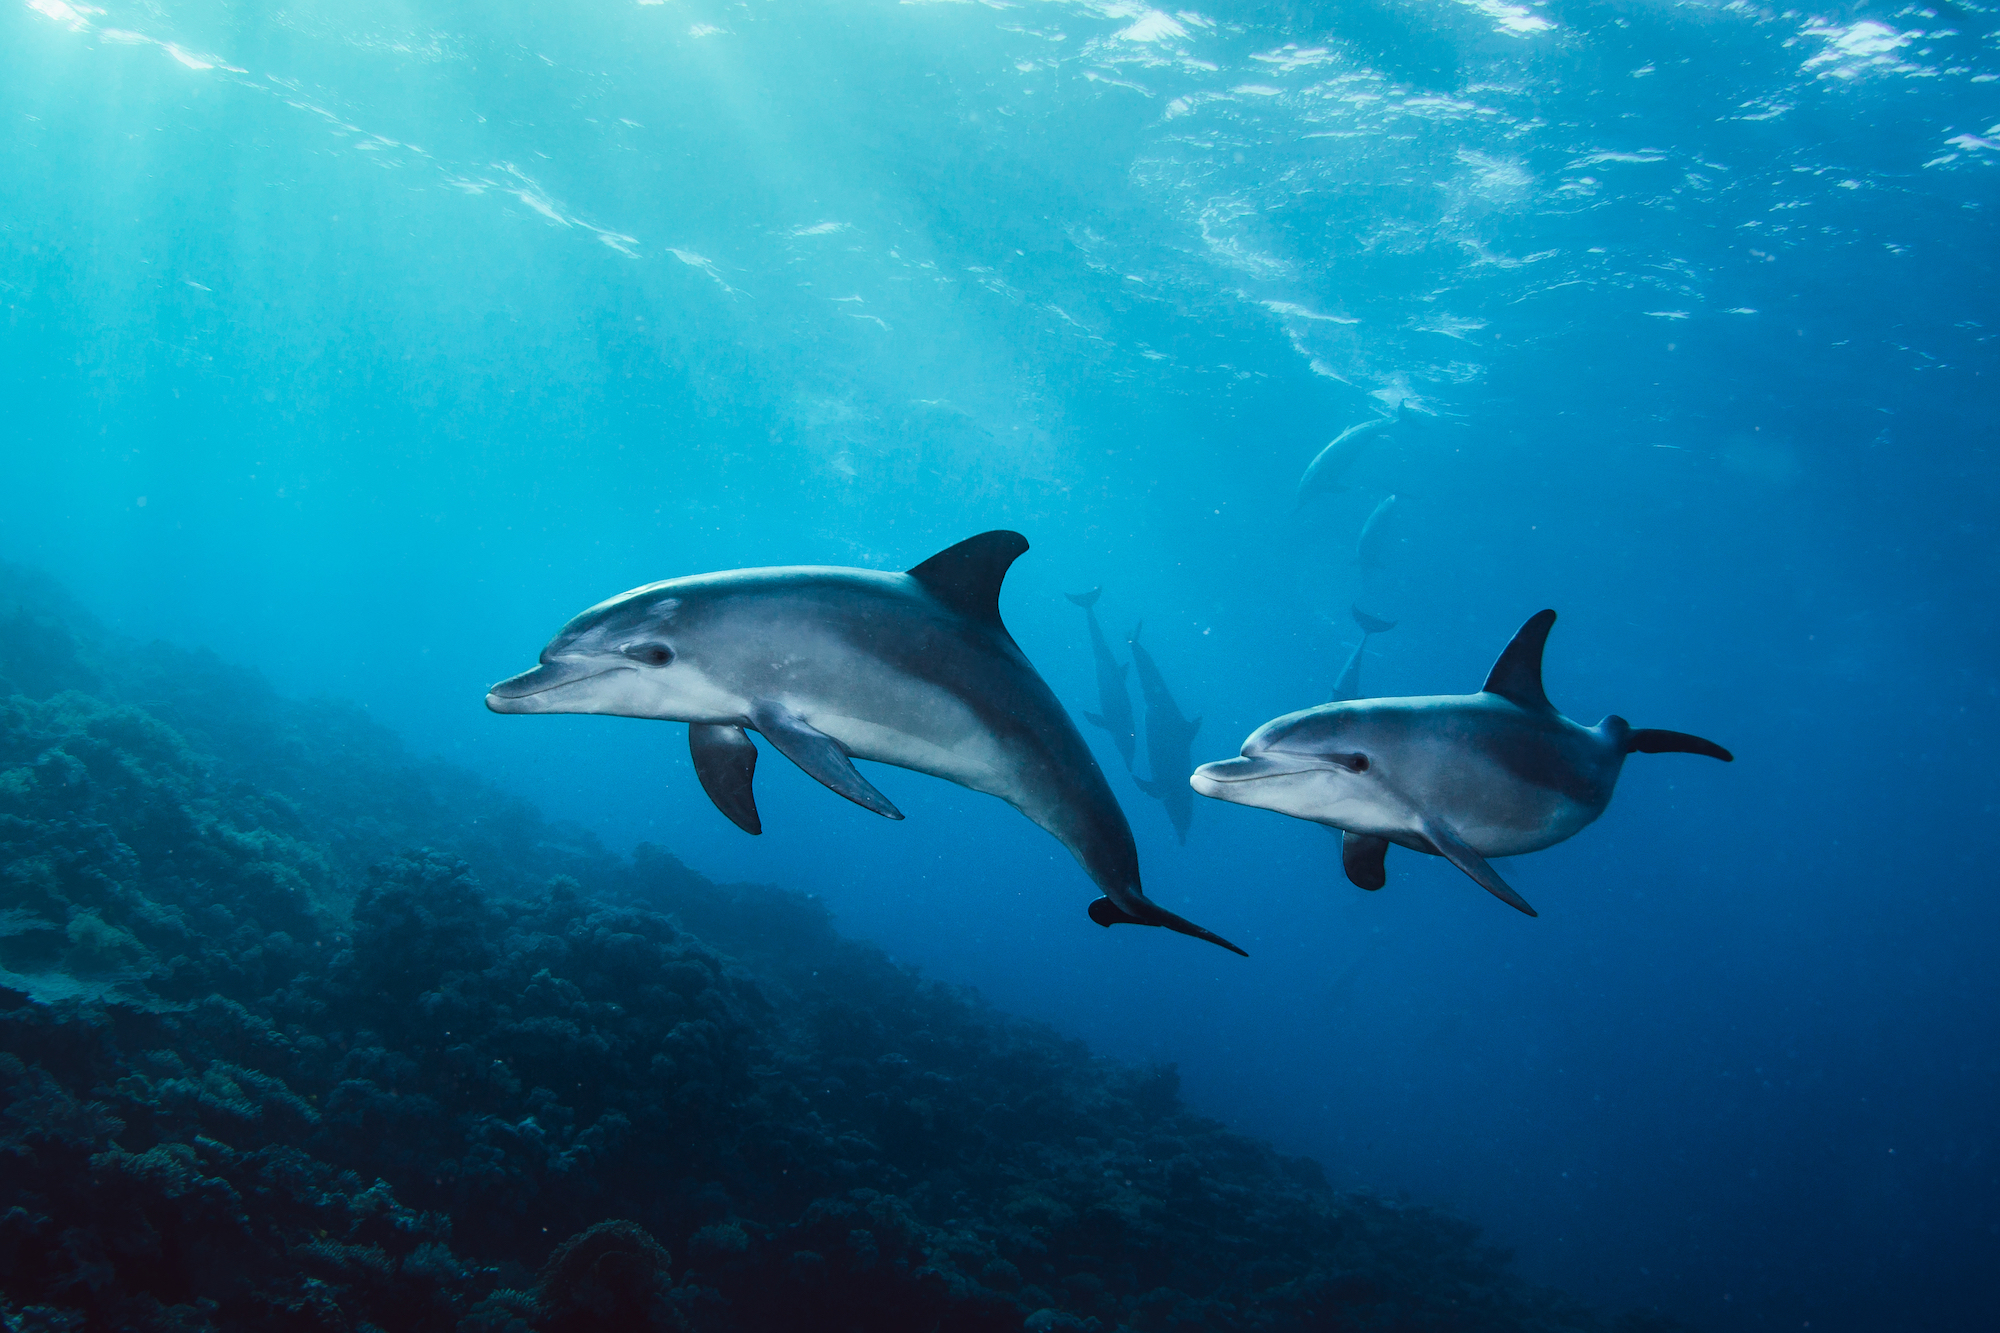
(299, 1032)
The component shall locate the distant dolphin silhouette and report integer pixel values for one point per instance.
(1113, 701)
(1323, 476)
(1369, 547)
(831, 665)
(1462, 776)
(1169, 742)
(1348, 687)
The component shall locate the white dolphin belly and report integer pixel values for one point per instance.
(949, 742)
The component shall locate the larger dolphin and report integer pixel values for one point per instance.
(1169, 742)
(1113, 700)
(831, 665)
(1462, 776)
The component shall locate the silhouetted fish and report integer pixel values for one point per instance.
(1169, 742)
(1323, 476)
(1114, 703)
(1348, 687)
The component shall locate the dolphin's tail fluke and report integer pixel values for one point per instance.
(1107, 913)
(1085, 600)
(1370, 624)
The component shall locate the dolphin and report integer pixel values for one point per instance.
(1323, 475)
(1111, 694)
(1368, 547)
(1348, 687)
(1169, 740)
(830, 665)
(1462, 776)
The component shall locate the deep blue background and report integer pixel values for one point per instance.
(367, 343)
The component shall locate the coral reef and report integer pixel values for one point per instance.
(264, 1064)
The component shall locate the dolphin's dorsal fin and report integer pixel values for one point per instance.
(967, 577)
(1517, 676)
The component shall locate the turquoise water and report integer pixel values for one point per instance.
(366, 344)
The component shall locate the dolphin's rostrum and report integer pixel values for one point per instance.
(1113, 702)
(1463, 776)
(831, 665)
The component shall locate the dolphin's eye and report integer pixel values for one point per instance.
(1353, 763)
(649, 654)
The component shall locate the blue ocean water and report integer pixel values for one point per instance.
(367, 343)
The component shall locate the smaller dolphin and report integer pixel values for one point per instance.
(1169, 742)
(1323, 475)
(1348, 687)
(1112, 696)
(1371, 546)
(1462, 776)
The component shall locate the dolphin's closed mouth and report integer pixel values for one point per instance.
(546, 677)
(1254, 769)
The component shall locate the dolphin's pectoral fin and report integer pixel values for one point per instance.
(1517, 676)
(725, 760)
(1646, 740)
(1107, 913)
(967, 577)
(1150, 787)
(1361, 856)
(1454, 850)
(819, 755)
(1096, 721)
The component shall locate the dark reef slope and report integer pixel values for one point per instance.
(263, 1066)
